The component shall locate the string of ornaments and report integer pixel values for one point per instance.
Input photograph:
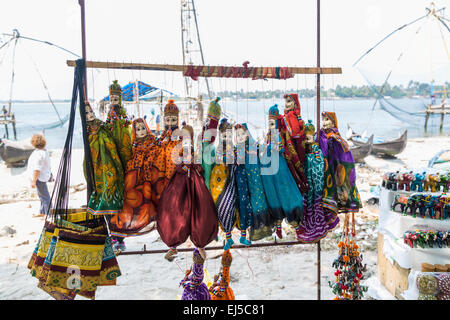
(348, 265)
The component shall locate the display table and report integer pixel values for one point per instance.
(398, 263)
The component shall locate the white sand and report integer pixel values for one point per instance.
(258, 273)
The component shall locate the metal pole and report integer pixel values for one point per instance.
(83, 44)
(318, 128)
(256, 245)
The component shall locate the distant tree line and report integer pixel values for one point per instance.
(414, 88)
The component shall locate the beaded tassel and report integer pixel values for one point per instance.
(349, 268)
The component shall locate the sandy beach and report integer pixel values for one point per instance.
(258, 273)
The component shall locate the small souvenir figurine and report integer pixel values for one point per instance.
(434, 180)
(220, 289)
(391, 183)
(209, 135)
(261, 219)
(407, 179)
(317, 221)
(340, 192)
(107, 196)
(444, 182)
(223, 182)
(119, 124)
(399, 200)
(194, 288)
(292, 133)
(144, 182)
(186, 208)
(439, 206)
(401, 181)
(416, 184)
(283, 196)
(242, 185)
(426, 182)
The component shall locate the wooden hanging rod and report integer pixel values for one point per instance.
(181, 68)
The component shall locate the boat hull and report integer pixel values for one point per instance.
(15, 154)
(390, 148)
(362, 151)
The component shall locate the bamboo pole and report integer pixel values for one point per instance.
(182, 68)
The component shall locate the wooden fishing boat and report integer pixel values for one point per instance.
(361, 151)
(15, 154)
(389, 147)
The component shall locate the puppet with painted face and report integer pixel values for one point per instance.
(144, 182)
(186, 208)
(340, 191)
(292, 133)
(247, 154)
(108, 174)
(209, 133)
(243, 198)
(168, 141)
(318, 221)
(223, 182)
(118, 123)
(283, 196)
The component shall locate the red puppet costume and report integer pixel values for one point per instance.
(292, 133)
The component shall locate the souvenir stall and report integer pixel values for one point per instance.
(139, 182)
(413, 242)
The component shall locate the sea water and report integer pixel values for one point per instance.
(357, 113)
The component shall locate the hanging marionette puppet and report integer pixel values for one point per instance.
(244, 204)
(220, 289)
(292, 133)
(223, 182)
(340, 191)
(186, 208)
(209, 133)
(117, 121)
(107, 196)
(261, 221)
(144, 182)
(192, 283)
(317, 221)
(283, 196)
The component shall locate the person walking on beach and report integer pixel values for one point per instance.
(40, 172)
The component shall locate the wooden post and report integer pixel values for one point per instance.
(318, 128)
(428, 111)
(83, 44)
(441, 126)
(13, 122)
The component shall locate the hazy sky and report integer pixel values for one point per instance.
(264, 32)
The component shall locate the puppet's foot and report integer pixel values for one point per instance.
(170, 255)
(245, 241)
(228, 245)
(279, 232)
(299, 231)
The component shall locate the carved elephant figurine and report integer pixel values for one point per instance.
(416, 184)
(444, 182)
(399, 200)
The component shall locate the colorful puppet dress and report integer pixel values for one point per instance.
(316, 223)
(262, 222)
(209, 130)
(223, 191)
(144, 182)
(119, 125)
(193, 286)
(282, 194)
(244, 204)
(220, 289)
(292, 135)
(107, 196)
(340, 191)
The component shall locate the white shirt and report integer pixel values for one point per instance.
(39, 160)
